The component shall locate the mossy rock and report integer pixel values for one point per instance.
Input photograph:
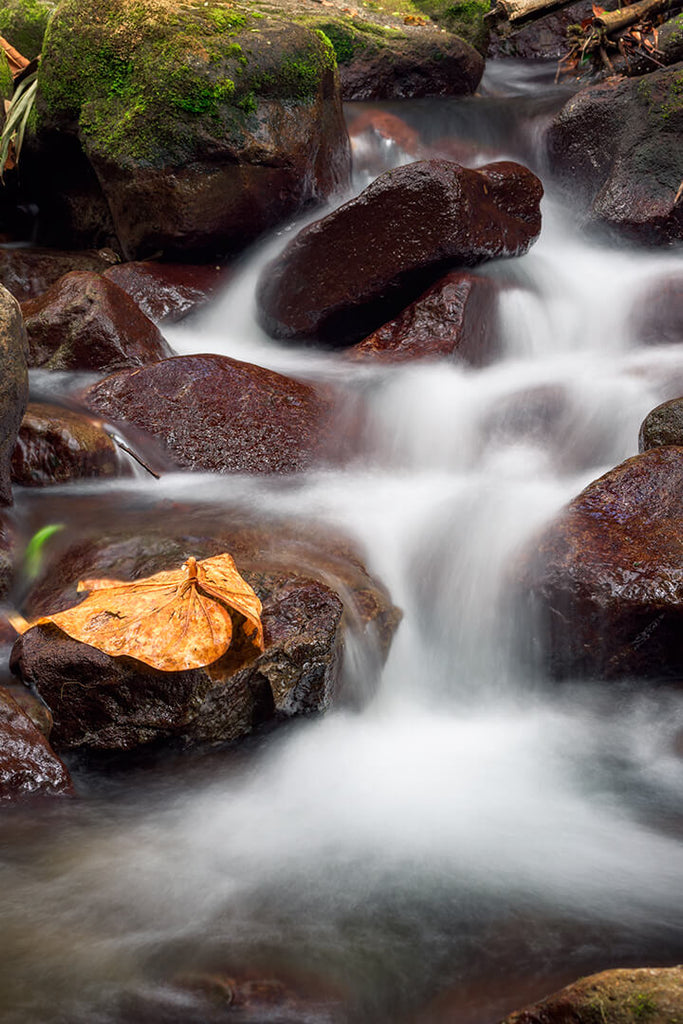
(23, 24)
(6, 85)
(152, 88)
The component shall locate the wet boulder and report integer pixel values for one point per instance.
(543, 38)
(13, 385)
(85, 322)
(315, 592)
(657, 313)
(345, 275)
(182, 129)
(454, 318)
(622, 996)
(56, 445)
(27, 273)
(603, 584)
(168, 291)
(28, 765)
(221, 415)
(616, 145)
(662, 426)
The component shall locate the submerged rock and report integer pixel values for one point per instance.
(455, 317)
(56, 445)
(13, 385)
(657, 313)
(315, 594)
(625, 996)
(28, 766)
(183, 129)
(345, 275)
(85, 322)
(604, 582)
(617, 146)
(221, 415)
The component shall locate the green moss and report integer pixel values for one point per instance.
(226, 21)
(6, 83)
(23, 24)
(642, 1006)
(464, 18)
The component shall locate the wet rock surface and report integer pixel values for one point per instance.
(167, 290)
(56, 445)
(543, 38)
(456, 317)
(220, 415)
(616, 145)
(662, 426)
(626, 996)
(28, 766)
(86, 322)
(27, 273)
(345, 275)
(314, 592)
(13, 385)
(604, 583)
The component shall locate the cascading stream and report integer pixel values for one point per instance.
(474, 831)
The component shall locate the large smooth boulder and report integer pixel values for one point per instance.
(217, 414)
(454, 318)
(604, 582)
(345, 275)
(56, 445)
(182, 129)
(617, 147)
(622, 996)
(86, 322)
(13, 385)
(315, 593)
(28, 765)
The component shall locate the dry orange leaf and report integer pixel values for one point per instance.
(174, 620)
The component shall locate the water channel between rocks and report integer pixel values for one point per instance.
(474, 837)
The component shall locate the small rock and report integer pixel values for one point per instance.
(168, 290)
(28, 766)
(345, 275)
(85, 322)
(663, 425)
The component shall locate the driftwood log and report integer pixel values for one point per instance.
(615, 21)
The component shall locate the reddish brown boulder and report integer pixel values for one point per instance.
(85, 322)
(345, 275)
(625, 996)
(27, 273)
(168, 290)
(28, 766)
(119, 703)
(657, 314)
(56, 445)
(455, 317)
(604, 582)
(13, 385)
(616, 146)
(218, 414)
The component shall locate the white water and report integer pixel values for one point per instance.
(474, 830)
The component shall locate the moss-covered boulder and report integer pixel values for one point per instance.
(182, 127)
(23, 24)
(6, 85)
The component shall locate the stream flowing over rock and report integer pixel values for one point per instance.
(345, 275)
(13, 385)
(617, 145)
(246, 130)
(316, 595)
(28, 766)
(604, 582)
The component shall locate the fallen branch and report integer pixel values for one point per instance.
(17, 61)
(615, 21)
(519, 10)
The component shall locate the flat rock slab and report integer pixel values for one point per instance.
(86, 322)
(604, 582)
(345, 275)
(631, 996)
(28, 765)
(221, 415)
(314, 591)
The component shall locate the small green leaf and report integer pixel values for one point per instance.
(33, 556)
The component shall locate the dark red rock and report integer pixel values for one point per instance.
(426, 62)
(622, 996)
(348, 273)
(27, 273)
(56, 445)
(28, 766)
(657, 314)
(85, 322)
(386, 125)
(663, 425)
(168, 290)
(456, 317)
(13, 385)
(119, 703)
(617, 147)
(218, 414)
(604, 582)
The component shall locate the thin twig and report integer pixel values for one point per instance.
(129, 451)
